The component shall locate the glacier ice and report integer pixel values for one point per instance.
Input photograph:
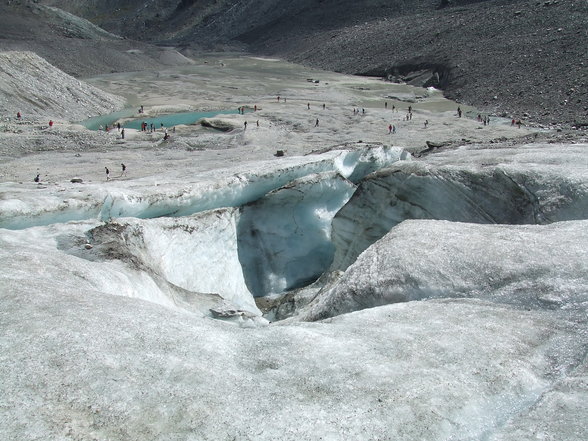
(196, 253)
(285, 237)
(180, 195)
(529, 266)
(444, 369)
(527, 185)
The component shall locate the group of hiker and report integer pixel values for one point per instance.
(356, 111)
(122, 173)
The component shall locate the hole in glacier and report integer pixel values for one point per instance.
(284, 238)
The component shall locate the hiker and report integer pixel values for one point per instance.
(51, 123)
(278, 99)
(426, 123)
(393, 129)
(37, 178)
(324, 106)
(459, 112)
(107, 173)
(245, 125)
(409, 109)
(124, 170)
(118, 126)
(255, 108)
(18, 116)
(165, 137)
(389, 129)
(308, 106)
(257, 122)
(385, 104)
(122, 133)
(316, 123)
(393, 108)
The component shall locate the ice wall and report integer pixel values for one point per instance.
(196, 253)
(172, 196)
(285, 237)
(461, 193)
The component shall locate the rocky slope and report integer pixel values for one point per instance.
(32, 86)
(73, 44)
(524, 58)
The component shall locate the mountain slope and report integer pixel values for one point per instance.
(519, 58)
(71, 43)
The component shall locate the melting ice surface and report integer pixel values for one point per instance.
(497, 352)
(277, 253)
(231, 187)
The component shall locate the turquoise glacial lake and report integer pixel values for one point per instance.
(169, 120)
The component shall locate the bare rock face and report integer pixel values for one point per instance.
(32, 86)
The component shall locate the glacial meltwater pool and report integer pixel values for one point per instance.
(169, 120)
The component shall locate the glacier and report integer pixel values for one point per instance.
(529, 184)
(346, 290)
(149, 197)
(459, 328)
